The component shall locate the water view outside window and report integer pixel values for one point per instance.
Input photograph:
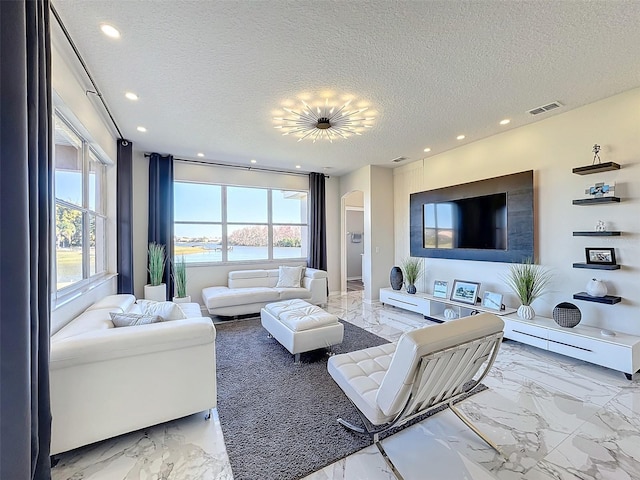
(217, 223)
(80, 223)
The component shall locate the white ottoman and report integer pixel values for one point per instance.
(301, 327)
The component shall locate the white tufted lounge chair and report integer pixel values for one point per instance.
(428, 367)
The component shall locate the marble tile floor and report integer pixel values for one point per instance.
(554, 418)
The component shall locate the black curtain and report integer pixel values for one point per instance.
(25, 239)
(161, 209)
(124, 216)
(317, 223)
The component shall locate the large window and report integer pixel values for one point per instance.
(219, 223)
(80, 220)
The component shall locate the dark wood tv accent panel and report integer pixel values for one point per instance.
(520, 235)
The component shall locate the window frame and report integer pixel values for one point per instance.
(224, 223)
(86, 213)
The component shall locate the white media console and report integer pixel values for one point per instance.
(620, 352)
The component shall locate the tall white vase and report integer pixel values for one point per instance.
(526, 312)
(157, 292)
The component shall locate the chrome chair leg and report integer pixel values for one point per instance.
(351, 426)
(208, 414)
(475, 429)
(394, 470)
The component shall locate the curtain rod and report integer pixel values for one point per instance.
(97, 91)
(243, 167)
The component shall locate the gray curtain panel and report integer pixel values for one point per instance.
(161, 209)
(317, 222)
(124, 216)
(25, 239)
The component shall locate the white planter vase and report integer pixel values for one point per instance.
(186, 299)
(157, 293)
(596, 288)
(526, 312)
(450, 313)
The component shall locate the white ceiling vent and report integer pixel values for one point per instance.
(545, 108)
(400, 159)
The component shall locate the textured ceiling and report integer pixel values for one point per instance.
(211, 75)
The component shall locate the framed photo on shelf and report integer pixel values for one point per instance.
(440, 289)
(600, 190)
(465, 292)
(600, 256)
(492, 301)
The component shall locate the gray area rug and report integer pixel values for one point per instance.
(278, 418)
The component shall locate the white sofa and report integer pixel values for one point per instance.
(107, 381)
(248, 291)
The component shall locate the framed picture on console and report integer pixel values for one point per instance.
(465, 292)
(440, 289)
(492, 301)
(600, 256)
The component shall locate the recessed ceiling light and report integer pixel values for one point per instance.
(297, 166)
(253, 160)
(110, 30)
(141, 129)
(460, 137)
(131, 96)
(506, 121)
(427, 150)
(200, 154)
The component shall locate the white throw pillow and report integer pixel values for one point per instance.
(289, 277)
(165, 310)
(132, 319)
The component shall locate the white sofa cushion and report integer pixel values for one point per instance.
(289, 277)
(121, 301)
(131, 319)
(190, 309)
(165, 310)
(290, 293)
(277, 308)
(360, 374)
(307, 318)
(88, 321)
(227, 297)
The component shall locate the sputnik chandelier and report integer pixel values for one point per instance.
(328, 121)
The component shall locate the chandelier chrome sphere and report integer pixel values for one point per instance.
(328, 121)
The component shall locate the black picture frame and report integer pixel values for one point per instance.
(464, 291)
(600, 256)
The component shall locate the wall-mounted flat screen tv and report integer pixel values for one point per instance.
(489, 220)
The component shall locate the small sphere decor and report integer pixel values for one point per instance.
(567, 315)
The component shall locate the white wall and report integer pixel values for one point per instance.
(332, 193)
(378, 225)
(551, 148)
(69, 87)
(381, 218)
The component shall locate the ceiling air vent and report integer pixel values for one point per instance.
(400, 159)
(545, 108)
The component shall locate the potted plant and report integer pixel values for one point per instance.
(156, 290)
(411, 269)
(528, 281)
(180, 277)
